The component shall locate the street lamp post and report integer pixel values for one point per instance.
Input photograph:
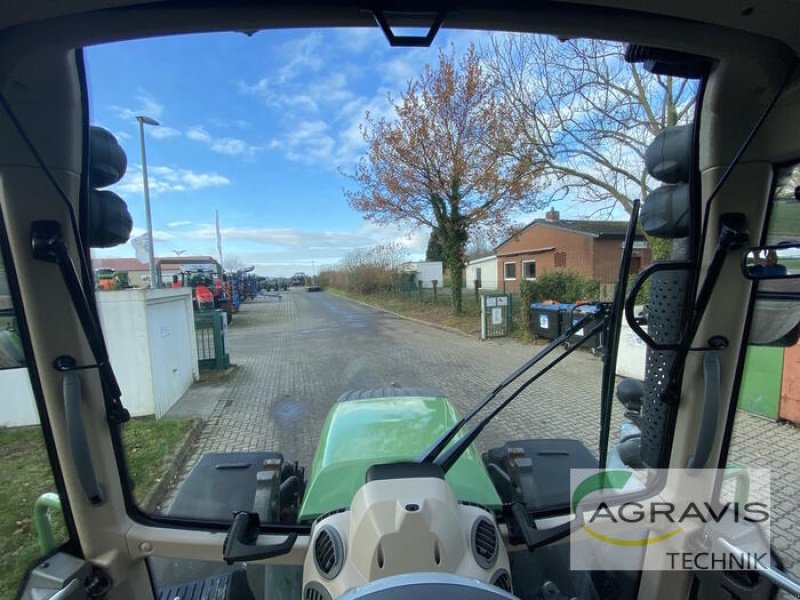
(154, 283)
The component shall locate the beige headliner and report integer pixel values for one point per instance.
(80, 20)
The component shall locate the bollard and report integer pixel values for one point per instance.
(44, 505)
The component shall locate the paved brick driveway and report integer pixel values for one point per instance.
(297, 356)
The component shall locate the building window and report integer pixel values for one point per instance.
(509, 270)
(478, 276)
(529, 269)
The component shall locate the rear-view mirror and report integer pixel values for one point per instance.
(772, 262)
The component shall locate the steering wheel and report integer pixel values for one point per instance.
(442, 586)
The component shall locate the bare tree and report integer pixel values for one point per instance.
(233, 263)
(480, 244)
(590, 114)
(453, 158)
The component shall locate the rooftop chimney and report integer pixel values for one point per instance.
(551, 215)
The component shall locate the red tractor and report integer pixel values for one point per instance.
(204, 276)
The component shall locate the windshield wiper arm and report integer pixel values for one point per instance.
(441, 443)
(611, 342)
(49, 245)
(610, 319)
(449, 457)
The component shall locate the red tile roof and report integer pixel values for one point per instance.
(119, 264)
(133, 264)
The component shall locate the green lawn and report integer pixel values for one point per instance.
(785, 220)
(25, 475)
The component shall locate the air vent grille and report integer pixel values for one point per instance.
(315, 591)
(484, 542)
(328, 552)
(502, 580)
(331, 513)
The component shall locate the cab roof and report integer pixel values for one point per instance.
(775, 20)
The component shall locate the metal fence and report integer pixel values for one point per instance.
(444, 296)
(210, 329)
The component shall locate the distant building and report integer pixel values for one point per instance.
(139, 272)
(425, 271)
(590, 248)
(483, 270)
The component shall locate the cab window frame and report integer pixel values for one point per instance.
(72, 544)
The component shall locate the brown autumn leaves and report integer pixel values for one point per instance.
(454, 159)
(471, 145)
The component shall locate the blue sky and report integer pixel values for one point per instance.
(259, 128)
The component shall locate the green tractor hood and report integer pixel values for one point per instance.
(360, 433)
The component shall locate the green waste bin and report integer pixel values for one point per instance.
(760, 392)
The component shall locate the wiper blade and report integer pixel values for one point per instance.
(449, 457)
(49, 246)
(611, 341)
(441, 443)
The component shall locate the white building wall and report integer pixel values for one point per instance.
(173, 349)
(17, 407)
(124, 322)
(427, 272)
(632, 354)
(151, 343)
(488, 267)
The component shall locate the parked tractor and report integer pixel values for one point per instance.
(204, 276)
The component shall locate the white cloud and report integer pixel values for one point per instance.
(198, 181)
(147, 105)
(234, 147)
(229, 146)
(198, 134)
(179, 223)
(310, 96)
(162, 180)
(286, 251)
(335, 143)
(281, 252)
(302, 54)
(159, 236)
(308, 142)
(358, 39)
(401, 69)
(230, 123)
(162, 133)
(306, 244)
(121, 135)
(331, 89)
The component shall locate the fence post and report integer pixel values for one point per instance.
(419, 291)
(219, 346)
(476, 283)
(435, 282)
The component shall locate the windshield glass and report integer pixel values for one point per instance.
(353, 244)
